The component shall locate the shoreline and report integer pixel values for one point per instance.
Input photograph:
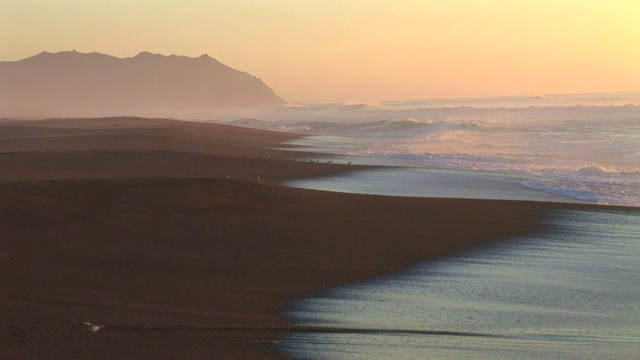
(133, 225)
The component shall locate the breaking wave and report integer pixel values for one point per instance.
(587, 146)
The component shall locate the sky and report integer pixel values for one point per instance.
(336, 51)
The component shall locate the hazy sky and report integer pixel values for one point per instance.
(358, 50)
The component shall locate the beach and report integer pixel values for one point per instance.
(152, 238)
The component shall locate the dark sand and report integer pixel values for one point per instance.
(132, 224)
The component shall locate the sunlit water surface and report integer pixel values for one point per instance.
(570, 293)
(582, 146)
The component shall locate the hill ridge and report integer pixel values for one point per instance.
(71, 83)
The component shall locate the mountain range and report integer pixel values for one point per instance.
(71, 83)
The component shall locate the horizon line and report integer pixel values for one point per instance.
(352, 101)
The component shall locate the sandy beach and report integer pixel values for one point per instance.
(175, 241)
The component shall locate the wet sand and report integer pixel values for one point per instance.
(133, 225)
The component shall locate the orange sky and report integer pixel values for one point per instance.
(364, 50)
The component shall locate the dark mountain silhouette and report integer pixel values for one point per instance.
(77, 84)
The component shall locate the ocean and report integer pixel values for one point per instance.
(568, 293)
(581, 147)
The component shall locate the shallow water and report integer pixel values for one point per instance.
(423, 182)
(571, 293)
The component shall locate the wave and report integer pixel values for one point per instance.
(372, 117)
(514, 102)
(600, 192)
(591, 183)
(390, 129)
(351, 106)
(249, 122)
(293, 105)
(599, 171)
(581, 144)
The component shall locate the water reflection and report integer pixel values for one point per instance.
(570, 293)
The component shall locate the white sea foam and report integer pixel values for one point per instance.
(583, 146)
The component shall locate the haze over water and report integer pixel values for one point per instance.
(582, 147)
(570, 292)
